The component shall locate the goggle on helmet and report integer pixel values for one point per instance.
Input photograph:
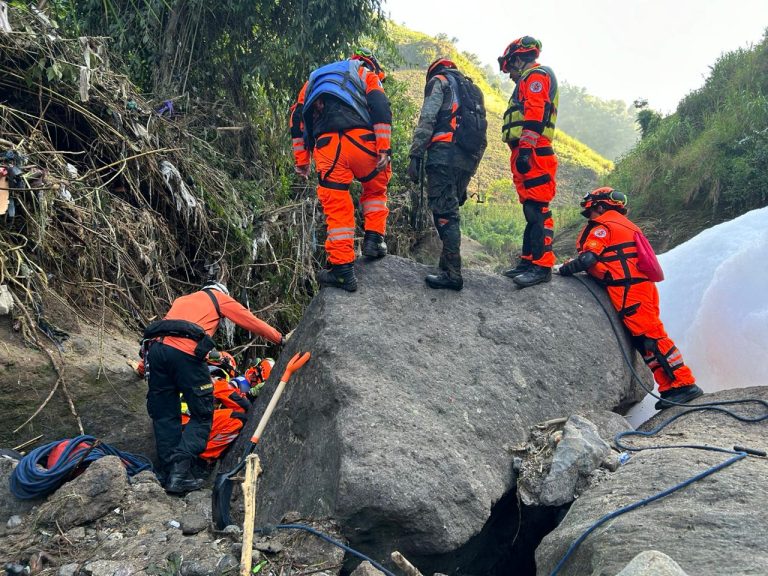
(524, 45)
(606, 195)
(366, 56)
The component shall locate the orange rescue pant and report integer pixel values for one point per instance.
(339, 159)
(225, 429)
(649, 335)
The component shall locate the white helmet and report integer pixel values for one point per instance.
(216, 286)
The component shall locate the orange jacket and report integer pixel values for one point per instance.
(381, 118)
(198, 308)
(611, 237)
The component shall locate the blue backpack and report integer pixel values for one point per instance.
(342, 80)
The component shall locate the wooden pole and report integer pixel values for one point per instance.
(250, 484)
(402, 563)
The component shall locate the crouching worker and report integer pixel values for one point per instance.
(175, 349)
(611, 249)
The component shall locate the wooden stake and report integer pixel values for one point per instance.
(408, 568)
(27, 443)
(250, 484)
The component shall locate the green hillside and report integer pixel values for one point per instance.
(706, 162)
(498, 222)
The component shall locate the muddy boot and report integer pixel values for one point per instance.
(374, 245)
(339, 276)
(521, 268)
(181, 480)
(450, 277)
(536, 275)
(681, 395)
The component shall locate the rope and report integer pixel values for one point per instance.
(268, 529)
(31, 479)
(739, 452)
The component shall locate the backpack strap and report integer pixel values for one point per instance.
(215, 302)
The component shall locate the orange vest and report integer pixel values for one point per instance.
(611, 236)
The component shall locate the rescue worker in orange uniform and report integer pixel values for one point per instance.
(608, 252)
(231, 405)
(343, 117)
(175, 364)
(528, 130)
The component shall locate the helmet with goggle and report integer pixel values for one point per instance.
(439, 64)
(606, 196)
(527, 47)
(365, 55)
(223, 365)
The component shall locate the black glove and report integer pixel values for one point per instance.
(414, 169)
(523, 162)
(567, 268)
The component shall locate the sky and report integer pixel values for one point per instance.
(659, 50)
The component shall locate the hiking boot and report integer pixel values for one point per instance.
(444, 280)
(681, 395)
(522, 267)
(181, 480)
(536, 275)
(374, 245)
(339, 276)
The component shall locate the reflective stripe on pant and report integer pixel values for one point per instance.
(538, 183)
(649, 335)
(226, 428)
(174, 372)
(538, 234)
(340, 158)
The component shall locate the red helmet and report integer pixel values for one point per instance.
(366, 56)
(439, 63)
(526, 47)
(607, 196)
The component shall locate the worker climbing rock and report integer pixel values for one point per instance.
(450, 160)
(174, 352)
(528, 130)
(343, 118)
(610, 250)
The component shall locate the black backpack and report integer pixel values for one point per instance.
(471, 125)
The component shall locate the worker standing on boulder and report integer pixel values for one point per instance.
(611, 250)
(175, 350)
(344, 117)
(450, 160)
(528, 130)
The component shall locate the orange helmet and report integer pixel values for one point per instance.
(225, 363)
(260, 371)
(607, 196)
(527, 47)
(365, 55)
(439, 63)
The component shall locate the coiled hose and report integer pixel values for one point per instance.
(31, 479)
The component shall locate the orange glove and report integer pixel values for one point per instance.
(294, 364)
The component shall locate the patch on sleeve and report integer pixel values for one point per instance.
(593, 245)
(536, 87)
(600, 233)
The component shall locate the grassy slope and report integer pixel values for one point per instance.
(498, 223)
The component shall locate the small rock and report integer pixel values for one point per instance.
(14, 521)
(67, 570)
(366, 569)
(611, 462)
(268, 547)
(652, 563)
(232, 529)
(226, 564)
(174, 524)
(192, 523)
(75, 534)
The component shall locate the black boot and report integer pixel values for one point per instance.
(450, 276)
(374, 245)
(521, 268)
(681, 395)
(180, 479)
(339, 276)
(536, 275)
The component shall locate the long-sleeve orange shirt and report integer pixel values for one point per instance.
(198, 308)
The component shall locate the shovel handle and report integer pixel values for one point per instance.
(294, 364)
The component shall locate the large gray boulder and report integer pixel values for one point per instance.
(401, 424)
(717, 525)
